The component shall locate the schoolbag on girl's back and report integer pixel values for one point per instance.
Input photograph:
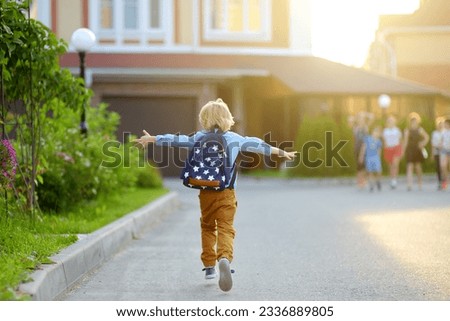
(208, 165)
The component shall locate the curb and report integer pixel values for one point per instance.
(91, 250)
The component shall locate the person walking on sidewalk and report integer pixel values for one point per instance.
(371, 157)
(360, 131)
(436, 144)
(392, 151)
(416, 138)
(445, 153)
(218, 207)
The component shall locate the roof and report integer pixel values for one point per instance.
(302, 74)
(431, 13)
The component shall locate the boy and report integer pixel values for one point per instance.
(218, 207)
(371, 155)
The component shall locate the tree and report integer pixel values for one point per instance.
(31, 78)
(57, 167)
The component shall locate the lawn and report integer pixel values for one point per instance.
(26, 243)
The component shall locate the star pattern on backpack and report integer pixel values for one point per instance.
(207, 166)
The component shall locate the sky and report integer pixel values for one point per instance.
(342, 30)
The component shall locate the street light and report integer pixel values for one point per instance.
(384, 101)
(83, 40)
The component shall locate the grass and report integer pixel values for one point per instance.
(26, 243)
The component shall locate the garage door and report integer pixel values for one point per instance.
(157, 115)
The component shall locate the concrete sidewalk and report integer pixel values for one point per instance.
(296, 241)
(91, 250)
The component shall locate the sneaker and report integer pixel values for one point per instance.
(210, 273)
(444, 185)
(393, 184)
(225, 280)
(379, 186)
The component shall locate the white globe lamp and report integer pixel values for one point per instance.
(83, 39)
(384, 101)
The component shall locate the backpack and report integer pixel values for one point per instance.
(208, 165)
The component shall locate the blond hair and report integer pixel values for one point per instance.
(415, 116)
(215, 114)
(440, 120)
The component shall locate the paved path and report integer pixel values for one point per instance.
(295, 241)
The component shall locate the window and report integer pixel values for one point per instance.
(254, 22)
(247, 20)
(106, 14)
(129, 19)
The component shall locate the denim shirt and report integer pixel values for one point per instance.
(235, 143)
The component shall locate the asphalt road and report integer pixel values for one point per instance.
(296, 240)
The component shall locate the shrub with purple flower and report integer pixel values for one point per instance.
(8, 163)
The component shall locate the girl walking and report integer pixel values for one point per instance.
(392, 151)
(416, 138)
(360, 131)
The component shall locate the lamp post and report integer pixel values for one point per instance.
(384, 101)
(83, 40)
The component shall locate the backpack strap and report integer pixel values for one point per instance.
(233, 178)
(232, 167)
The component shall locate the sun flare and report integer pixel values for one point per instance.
(343, 30)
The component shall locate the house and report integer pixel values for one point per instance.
(416, 46)
(157, 62)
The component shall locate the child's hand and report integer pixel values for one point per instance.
(289, 155)
(144, 140)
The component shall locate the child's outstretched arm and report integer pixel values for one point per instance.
(166, 140)
(257, 145)
(282, 153)
(146, 139)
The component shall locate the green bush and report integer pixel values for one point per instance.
(56, 164)
(311, 135)
(75, 165)
(148, 177)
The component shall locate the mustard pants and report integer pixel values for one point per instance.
(218, 210)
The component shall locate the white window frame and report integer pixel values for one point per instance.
(265, 35)
(144, 33)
